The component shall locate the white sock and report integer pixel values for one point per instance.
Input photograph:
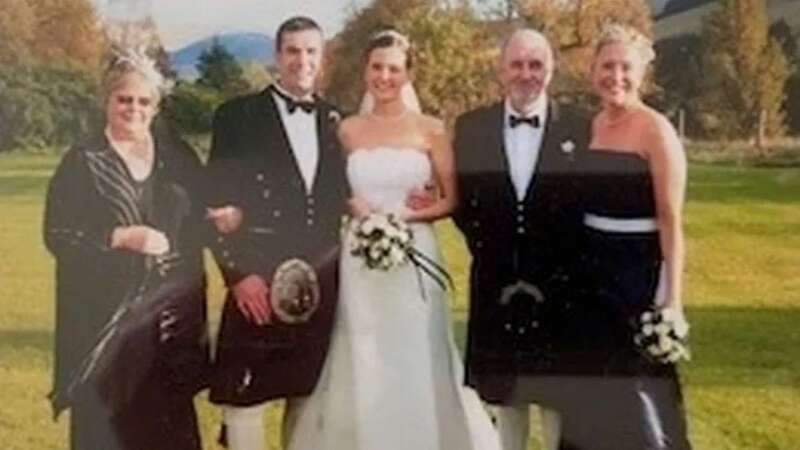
(551, 428)
(245, 427)
(513, 426)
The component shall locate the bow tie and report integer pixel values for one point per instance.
(516, 121)
(292, 105)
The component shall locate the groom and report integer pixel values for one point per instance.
(278, 192)
(516, 163)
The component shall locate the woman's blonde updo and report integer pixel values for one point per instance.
(616, 33)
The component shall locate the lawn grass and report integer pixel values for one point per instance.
(742, 294)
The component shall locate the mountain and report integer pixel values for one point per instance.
(243, 46)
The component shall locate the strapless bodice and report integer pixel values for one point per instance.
(384, 176)
(618, 184)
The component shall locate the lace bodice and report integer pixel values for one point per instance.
(383, 176)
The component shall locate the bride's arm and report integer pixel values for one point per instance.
(443, 163)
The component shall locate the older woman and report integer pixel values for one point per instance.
(635, 181)
(120, 220)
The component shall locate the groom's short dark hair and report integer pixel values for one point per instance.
(292, 25)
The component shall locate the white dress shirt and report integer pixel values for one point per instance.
(522, 144)
(301, 129)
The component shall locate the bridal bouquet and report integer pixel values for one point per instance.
(384, 242)
(381, 241)
(663, 335)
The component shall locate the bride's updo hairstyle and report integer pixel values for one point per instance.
(616, 33)
(390, 38)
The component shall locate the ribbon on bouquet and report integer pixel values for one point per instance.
(424, 264)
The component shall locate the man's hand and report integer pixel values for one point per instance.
(227, 219)
(252, 299)
(421, 198)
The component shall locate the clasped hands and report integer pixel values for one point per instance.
(252, 292)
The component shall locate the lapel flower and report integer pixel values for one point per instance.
(567, 147)
(334, 116)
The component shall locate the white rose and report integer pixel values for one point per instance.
(665, 344)
(681, 328)
(662, 329)
(647, 316)
(368, 226)
(654, 349)
(648, 329)
(374, 253)
(397, 256)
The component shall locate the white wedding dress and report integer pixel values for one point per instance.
(393, 379)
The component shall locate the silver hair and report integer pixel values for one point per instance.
(628, 36)
(134, 60)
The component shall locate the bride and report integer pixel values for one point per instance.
(393, 378)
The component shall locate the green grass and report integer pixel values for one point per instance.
(742, 294)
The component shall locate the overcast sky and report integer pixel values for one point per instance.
(183, 21)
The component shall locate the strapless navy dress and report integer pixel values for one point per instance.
(626, 401)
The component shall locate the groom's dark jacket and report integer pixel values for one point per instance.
(252, 166)
(534, 240)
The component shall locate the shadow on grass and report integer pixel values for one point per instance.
(731, 346)
(735, 185)
(18, 340)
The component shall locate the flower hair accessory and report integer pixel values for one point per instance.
(135, 58)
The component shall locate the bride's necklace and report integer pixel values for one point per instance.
(389, 117)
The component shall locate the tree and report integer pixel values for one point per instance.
(56, 31)
(191, 107)
(219, 70)
(680, 89)
(748, 70)
(454, 54)
(256, 75)
(572, 27)
(455, 57)
(46, 107)
(17, 25)
(343, 82)
(67, 31)
(783, 34)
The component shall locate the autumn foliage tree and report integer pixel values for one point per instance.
(50, 52)
(454, 54)
(749, 71)
(573, 27)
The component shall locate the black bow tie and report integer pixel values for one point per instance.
(292, 105)
(516, 121)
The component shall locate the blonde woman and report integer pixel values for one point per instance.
(633, 197)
